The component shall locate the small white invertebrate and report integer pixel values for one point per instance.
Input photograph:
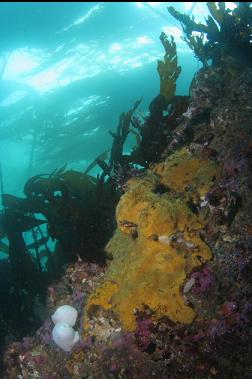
(65, 314)
(64, 336)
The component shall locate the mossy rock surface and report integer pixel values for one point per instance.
(157, 243)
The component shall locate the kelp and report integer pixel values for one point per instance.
(227, 32)
(19, 221)
(38, 242)
(168, 68)
(120, 136)
(77, 208)
(156, 131)
(196, 43)
(4, 248)
(61, 137)
(97, 162)
(188, 23)
(1, 180)
(63, 182)
(24, 205)
(26, 274)
(58, 171)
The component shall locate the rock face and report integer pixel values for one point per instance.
(158, 241)
(176, 299)
(182, 251)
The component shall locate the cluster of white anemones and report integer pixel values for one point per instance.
(63, 333)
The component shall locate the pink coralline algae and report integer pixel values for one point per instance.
(39, 360)
(229, 308)
(44, 333)
(232, 167)
(204, 281)
(27, 343)
(143, 333)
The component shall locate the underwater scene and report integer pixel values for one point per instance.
(126, 190)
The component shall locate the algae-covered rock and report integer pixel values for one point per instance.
(157, 243)
(185, 172)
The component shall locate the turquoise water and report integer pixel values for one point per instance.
(125, 190)
(71, 79)
(68, 70)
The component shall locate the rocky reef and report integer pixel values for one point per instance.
(175, 298)
(157, 242)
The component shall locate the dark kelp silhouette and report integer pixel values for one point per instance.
(226, 33)
(78, 209)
